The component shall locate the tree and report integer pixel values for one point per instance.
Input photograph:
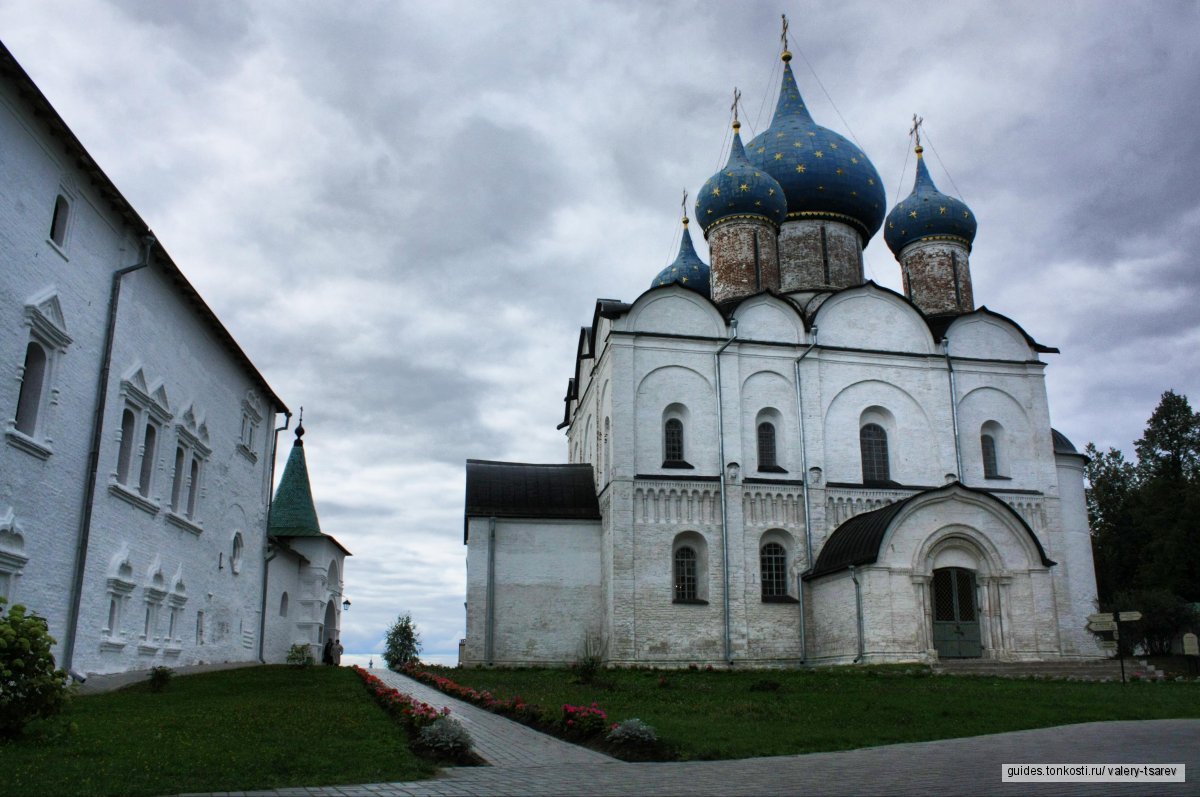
(403, 643)
(30, 686)
(1111, 492)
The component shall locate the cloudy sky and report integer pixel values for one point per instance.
(404, 211)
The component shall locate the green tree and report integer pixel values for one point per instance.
(30, 686)
(1111, 496)
(403, 643)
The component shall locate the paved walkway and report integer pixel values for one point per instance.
(528, 763)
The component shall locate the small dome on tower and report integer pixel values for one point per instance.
(927, 213)
(687, 269)
(740, 190)
(823, 174)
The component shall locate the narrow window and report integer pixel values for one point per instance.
(199, 628)
(114, 615)
(128, 422)
(673, 440)
(58, 224)
(987, 444)
(147, 459)
(283, 605)
(773, 560)
(32, 382)
(171, 622)
(874, 446)
(177, 482)
(193, 488)
(235, 557)
(766, 446)
(685, 574)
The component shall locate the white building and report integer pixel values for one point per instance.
(139, 439)
(774, 461)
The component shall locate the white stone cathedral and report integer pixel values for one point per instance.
(774, 461)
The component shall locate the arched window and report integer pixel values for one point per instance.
(987, 445)
(673, 440)
(125, 457)
(283, 605)
(773, 562)
(58, 223)
(177, 481)
(235, 556)
(33, 381)
(193, 488)
(766, 447)
(685, 574)
(872, 440)
(148, 444)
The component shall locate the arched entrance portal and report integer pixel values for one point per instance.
(955, 614)
(331, 631)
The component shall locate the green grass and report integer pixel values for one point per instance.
(709, 715)
(252, 728)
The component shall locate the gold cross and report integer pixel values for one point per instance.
(916, 128)
(737, 97)
(783, 36)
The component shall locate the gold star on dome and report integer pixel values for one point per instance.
(912, 213)
(839, 171)
(758, 203)
(966, 215)
(761, 150)
(820, 188)
(811, 133)
(819, 154)
(942, 211)
(797, 143)
(756, 174)
(744, 186)
(870, 181)
(710, 211)
(729, 174)
(716, 192)
(833, 145)
(770, 192)
(853, 159)
(778, 156)
(683, 280)
(891, 225)
(853, 193)
(800, 168)
(780, 135)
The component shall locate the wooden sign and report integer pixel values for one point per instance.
(1108, 644)
(1100, 618)
(1129, 617)
(1191, 646)
(1101, 625)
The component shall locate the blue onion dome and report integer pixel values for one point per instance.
(687, 269)
(739, 191)
(824, 175)
(927, 213)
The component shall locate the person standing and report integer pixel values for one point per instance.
(337, 652)
(327, 652)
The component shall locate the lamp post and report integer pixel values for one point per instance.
(346, 605)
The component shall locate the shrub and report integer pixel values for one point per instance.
(300, 656)
(632, 733)
(446, 737)
(403, 643)
(159, 678)
(583, 721)
(591, 660)
(30, 686)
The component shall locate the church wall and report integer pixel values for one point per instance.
(1073, 548)
(819, 253)
(548, 591)
(937, 276)
(833, 631)
(309, 593)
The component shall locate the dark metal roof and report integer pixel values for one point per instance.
(939, 324)
(857, 541)
(1061, 444)
(517, 489)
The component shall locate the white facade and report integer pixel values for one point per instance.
(135, 473)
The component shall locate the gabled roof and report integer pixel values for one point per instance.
(522, 490)
(107, 190)
(858, 540)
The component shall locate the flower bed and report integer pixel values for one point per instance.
(432, 733)
(410, 711)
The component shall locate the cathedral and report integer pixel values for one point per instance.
(773, 461)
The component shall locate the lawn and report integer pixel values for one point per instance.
(251, 728)
(721, 714)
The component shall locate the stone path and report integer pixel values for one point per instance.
(528, 763)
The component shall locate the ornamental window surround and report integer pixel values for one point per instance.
(60, 221)
(773, 564)
(119, 586)
(993, 451)
(873, 445)
(689, 568)
(153, 596)
(12, 555)
(29, 427)
(146, 412)
(176, 600)
(191, 456)
(674, 423)
(252, 416)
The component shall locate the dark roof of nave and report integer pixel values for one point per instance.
(858, 540)
(938, 324)
(522, 490)
(1062, 445)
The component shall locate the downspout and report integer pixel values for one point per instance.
(270, 553)
(808, 549)
(858, 611)
(489, 629)
(953, 407)
(721, 470)
(89, 488)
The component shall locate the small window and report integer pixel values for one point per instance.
(125, 456)
(873, 444)
(283, 605)
(178, 479)
(58, 224)
(773, 561)
(673, 440)
(148, 449)
(235, 556)
(987, 445)
(199, 628)
(193, 488)
(685, 574)
(33, 380)
(766, 447)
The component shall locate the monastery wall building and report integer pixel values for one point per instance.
(774, 461)
(139, 439)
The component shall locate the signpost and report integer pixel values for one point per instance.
(1109, 622)
(1191, 650)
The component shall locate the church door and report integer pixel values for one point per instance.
(955, 615)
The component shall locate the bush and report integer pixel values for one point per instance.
(1164, 617)
(632, 733)
(446, 737)
(300, 656)
(583, 721)
(402, 645)
(159, 678)
(591, 660)
(30, 686)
